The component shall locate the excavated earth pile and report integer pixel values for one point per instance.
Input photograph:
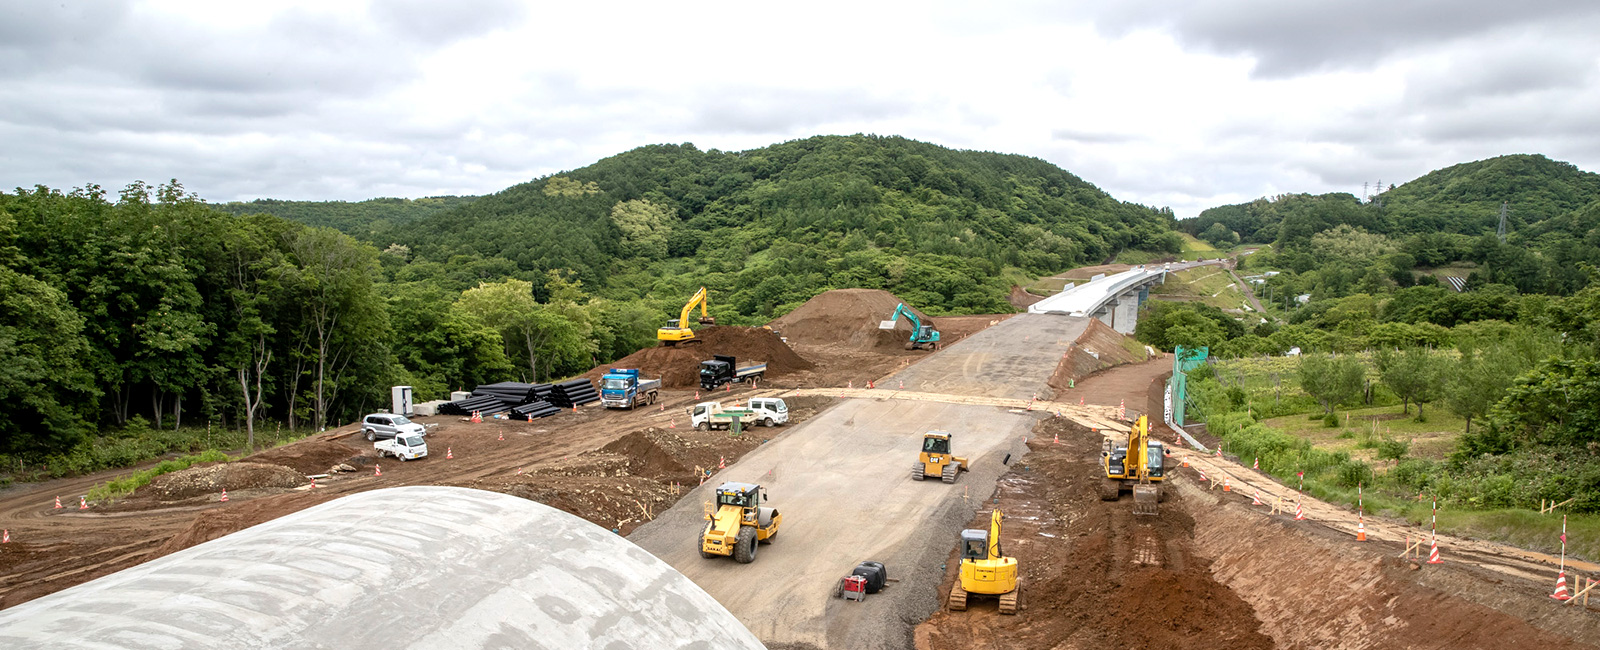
(1093, 574)
(847, 317)
(678, 366)
(206, 481)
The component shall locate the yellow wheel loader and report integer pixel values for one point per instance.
(736, 523)
(1136, 466)
(936, 460)
(984, 570)
(677, 330)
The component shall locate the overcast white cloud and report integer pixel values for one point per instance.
(1186, 105)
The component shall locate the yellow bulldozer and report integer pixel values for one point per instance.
(936, 460)
(678, 330)
(1136, 465)
(737, 523)
(984, 570)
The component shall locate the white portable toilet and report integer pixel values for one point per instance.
(402, 400)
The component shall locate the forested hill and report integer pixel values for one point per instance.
(768, 228)
(1462, 199)
(362, 219)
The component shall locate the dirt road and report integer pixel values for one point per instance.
(842, 483)
(1012, 359)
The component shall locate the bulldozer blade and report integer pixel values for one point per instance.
(1145, 498)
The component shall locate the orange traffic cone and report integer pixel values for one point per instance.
(224, 498)
(58, 503)
(503, 435)
(728, 389)
(902, 384)
(1299, 512)
(377, 470)
(1255, 499)
(448, 455)
(1080, 401)
(519, 471)
(850, 384)
(1219, 451)
(1227, 484)
(1361, 528)
(1057, 440)
(1185, 462)
(477, 417)
(672, 424)
(1257, 464)
(1561, 587)
(83, 503)
(5, 537)
(313, 484)
(530, 421)
(1202, 474)
(697, 396)
(574, 408)
(869, 383)
(1433, 552)
(722, 462)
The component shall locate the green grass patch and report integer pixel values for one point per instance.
(1365, 428)
(126, 485)
(138, 443)
(1193, 244)
(1519, 527)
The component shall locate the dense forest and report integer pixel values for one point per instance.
(362, 219)
(153, 311)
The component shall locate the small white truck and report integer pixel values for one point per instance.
(706, 416)
(405, 447)
(770, 411)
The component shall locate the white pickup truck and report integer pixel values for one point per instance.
(405, 447)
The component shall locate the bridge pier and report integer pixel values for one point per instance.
(1125, 313)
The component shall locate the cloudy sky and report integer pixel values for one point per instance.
(1182, 104)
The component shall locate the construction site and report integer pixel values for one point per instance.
(1029, 406)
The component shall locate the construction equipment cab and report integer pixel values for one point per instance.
(737, 522)
(1135, 466)
(936, 460)
(985, 571)
(677, 330)
(922, 334)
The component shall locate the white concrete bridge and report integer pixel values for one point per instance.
(1114, 299)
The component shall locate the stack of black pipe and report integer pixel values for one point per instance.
(484, 404)
(537, 409)
(573, 393)
(510, 392)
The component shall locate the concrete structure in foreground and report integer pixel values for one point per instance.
(1114, 299)
(406, 567)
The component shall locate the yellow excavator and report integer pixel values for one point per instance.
(1137, 466)
(677, 330)
(984, 570)
(736, 523)
(935, 459)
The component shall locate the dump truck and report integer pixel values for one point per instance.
(985, 571)
(722, 369)
(677, 330)
(1135, 466)
(922, 334)
(737, 522)
(623, 388)
(706, 416)
(935, 459)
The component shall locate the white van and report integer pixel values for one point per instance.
(770, 411)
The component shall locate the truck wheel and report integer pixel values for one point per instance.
(744, 550)
(401, 456)
(768, 423)
(371, 435)
(652, 399)
(703, 426)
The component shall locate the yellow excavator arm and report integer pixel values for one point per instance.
(1139, 439)
(679, 330)
(994, 535)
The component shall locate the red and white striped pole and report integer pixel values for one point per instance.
(1433, 551)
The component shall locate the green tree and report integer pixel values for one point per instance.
(1331, 380)
(1413, 375)
(645, 228)
(42, 380)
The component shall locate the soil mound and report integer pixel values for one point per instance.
(308, 457)
(217, 522)
(846, 316)
(646, 457)
(1098, 348)
(679, 366)
(197, 481)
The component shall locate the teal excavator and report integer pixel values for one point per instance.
(922, 334)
